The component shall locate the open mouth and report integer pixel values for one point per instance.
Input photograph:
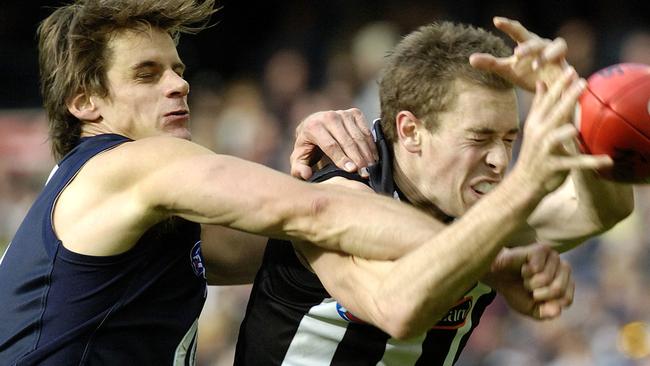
(483, 187)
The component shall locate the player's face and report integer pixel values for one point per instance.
(147, 92)
(469, 152)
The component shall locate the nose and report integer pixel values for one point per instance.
(498, 157)
(176, 86)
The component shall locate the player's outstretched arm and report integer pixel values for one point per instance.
(174, 177)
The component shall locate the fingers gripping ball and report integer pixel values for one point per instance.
(614, 119)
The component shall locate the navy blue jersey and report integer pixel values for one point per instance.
(58, 307)
(292, 320)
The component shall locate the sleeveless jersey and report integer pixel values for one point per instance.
(63, 308)
(292, 320)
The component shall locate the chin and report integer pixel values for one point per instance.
(184, 134)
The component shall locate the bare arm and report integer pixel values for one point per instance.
(406, 296)
(173, 177)
(585, 206)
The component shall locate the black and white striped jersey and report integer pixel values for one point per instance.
(292, 320)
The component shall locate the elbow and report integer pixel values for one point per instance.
(625, 209)
(317, 224)
(618, 213)
(400, 320)
(403, 328)
(401, 332)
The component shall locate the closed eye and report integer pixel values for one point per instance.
(478, 140)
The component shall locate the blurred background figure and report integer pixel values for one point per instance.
(636, 47)
(369, 48)
(261, 70)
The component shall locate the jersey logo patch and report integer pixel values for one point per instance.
(346, 315)
(197, 260)
(456, 316)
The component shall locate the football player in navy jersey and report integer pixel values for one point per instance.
(107, 267)
(445, 141)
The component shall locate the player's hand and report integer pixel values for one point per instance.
(343, 136)
(533, 280)
(544, 161)
(534, 58)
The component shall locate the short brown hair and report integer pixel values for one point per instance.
(420, 71)
(74, 57)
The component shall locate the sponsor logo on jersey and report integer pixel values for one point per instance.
(197, 260)
(346, 315)
(456, 316)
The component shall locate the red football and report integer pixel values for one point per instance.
(614, 119)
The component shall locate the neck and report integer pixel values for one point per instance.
(414, 195)
(97, 128)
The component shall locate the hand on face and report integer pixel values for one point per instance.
(534, 280)
(534, 59)
(343, 136)
(544, 161)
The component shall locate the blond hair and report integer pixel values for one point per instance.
(420, 71)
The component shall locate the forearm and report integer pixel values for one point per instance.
(252, 198)
(583, 207)
(604, 202)
(406, 296)
(428, 281)
(363, 224)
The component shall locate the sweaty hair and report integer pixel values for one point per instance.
(421, 70)
(74, 54)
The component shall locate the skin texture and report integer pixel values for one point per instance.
(122, 192)
(469, 146)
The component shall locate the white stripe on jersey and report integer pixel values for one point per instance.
(478, 291)
(186, 350)
(322, 329)
(5, 253)
(317, 337)
(404, 352)
(407, 352)
(56, 167)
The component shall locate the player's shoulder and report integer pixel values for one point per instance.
(160, 146)
(153, 150)
(130, 160)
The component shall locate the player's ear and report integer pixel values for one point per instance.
(409, 131)
(83, 107)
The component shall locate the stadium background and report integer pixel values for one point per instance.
(267, 65)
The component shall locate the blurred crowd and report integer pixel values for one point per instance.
(253, 116)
